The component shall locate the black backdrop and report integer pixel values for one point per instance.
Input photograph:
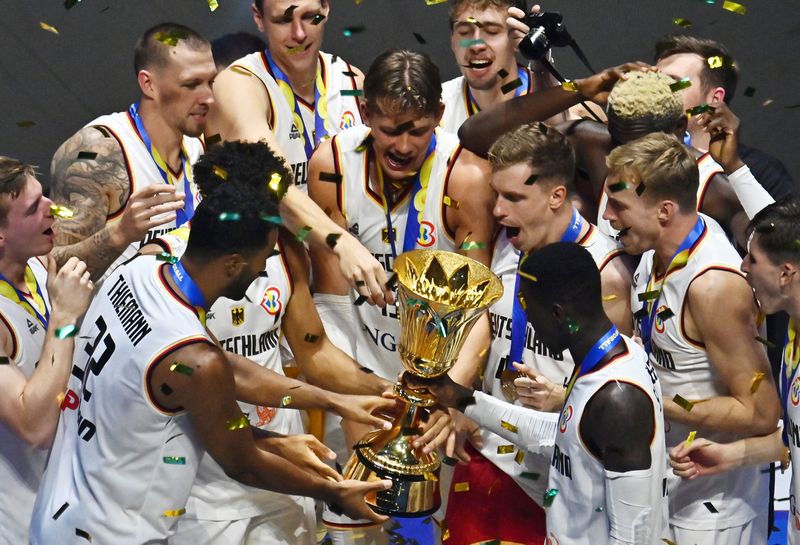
(59, 82)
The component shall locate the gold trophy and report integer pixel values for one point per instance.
(440, 297)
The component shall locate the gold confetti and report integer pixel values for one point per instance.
(213, 5)
(474, 21)
(734, 7)
(240, 70)
(505, 449)
(174, 512)
(220, 172)
(238, 423)
(172, 37)
(528, 276)
(48, 28)
(430, 476)
(765, 103)
(692, 435)
(609, 297)
(683, 403)
(461, 487)
(765, 342)
(295, 50)
(452, 203)
(701, 109)
(181, 368)
(508, 426)
(715, 62)
(520, 455)
(277, 184)
(60, 211)
(434, 2)
(680, 21)
(286, 401)
(569, 86)
(667, 541)
(757, 378)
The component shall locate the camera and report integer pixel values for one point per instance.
(547, 30)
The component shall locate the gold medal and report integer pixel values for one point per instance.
(507, 378)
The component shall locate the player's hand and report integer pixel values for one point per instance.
(363, 271)
(348, 497)
(374, 411)
(448, 393)
(723, 126)
(435, 431)
(70, 289)
(702, 457)
(597, 87)
(537, 392)
(304, 451)
(464, 429)
(517, 29)
(148, 208)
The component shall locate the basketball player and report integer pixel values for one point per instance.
(145, 360)
(697, 319)
(532, 174)
(484, 52)
(221, 510)
(771, 266)
(608, 459)
(291, 88)
(36, 304)
(110, 173)
(639, 103)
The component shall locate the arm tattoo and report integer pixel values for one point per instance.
(92, 188)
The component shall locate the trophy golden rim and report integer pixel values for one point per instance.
(420, 469)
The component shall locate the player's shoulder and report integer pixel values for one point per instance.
(585, 129)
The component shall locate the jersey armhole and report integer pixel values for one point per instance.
(443, 207)
(15, 342)
(337, 168)
(690, 340)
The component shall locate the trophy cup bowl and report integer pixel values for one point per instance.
(440, 297)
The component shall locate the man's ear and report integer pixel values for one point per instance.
(258, 17)
(146, 84)
(788, 273)
(232, 264)
(557, 197)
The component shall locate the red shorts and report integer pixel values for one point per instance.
(494, 507)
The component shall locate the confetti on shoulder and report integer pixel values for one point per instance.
(181, 368)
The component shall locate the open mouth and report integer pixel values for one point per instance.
(479, 64)
(623, 232)
(512, 232)
(396, 162)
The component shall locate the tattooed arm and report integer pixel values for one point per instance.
(95, 188)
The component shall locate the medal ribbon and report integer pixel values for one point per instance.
(10, 291)
(519, 322)
(416, 205)
(596, 354)
(182, 216)
(522, 74)
(680, 259)
(320, 104)
(790, 360)
(190, 289)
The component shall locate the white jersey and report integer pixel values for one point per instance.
(578, 514)
(684, 369)
(21, 465)
(361, 205)
(143, 172)
(708, 169)
(251, 328)
(124, 464)
(790, 395)
(458, 106)
(556, 367)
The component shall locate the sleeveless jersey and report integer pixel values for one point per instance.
(251, 329)
(708, 169)
(684, 369)
(21, 465)
(361, 205)
(792, 428)
(578, 513)
(124, 464)
(457, 105)
(556, 367)
(142, 172)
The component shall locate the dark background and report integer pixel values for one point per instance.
(60, 82)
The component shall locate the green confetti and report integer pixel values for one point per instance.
(530, 475)
(66, 331)
(174, 460)
(351, 92)
(679, 85)
(532, 179)
(619, 186)
(302, 234)
(238, 423)
(311, 338)
(272, 219)
(549, 496)
(230, 216)
(470, 43)
(470, 245)
(701, 109)
(349, 31)
(318, 18)
(765, 342)
(648, 295)
(167, 257)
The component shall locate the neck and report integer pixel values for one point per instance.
(671, 239)
(793, 308)
(14, 270)
(301, 78)
(591, 330)
(166, 139)
(700, 139)
(210, 288)
(561, 222)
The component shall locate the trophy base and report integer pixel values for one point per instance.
(388, 454)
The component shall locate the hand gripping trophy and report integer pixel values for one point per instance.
(440, 297)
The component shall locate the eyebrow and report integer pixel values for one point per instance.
(32, 208)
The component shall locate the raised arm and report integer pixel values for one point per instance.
(90, 177)
(735, 355)
(29, 407)
(208, 397)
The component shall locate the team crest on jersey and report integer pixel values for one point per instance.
(795, 391)
(265, 415)
(272, 301)
(566, 416)
(348, 120)
(426, 237)
(237, 315)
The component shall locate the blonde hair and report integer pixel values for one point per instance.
(646, 95)
(664, 165)
(542, 147)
